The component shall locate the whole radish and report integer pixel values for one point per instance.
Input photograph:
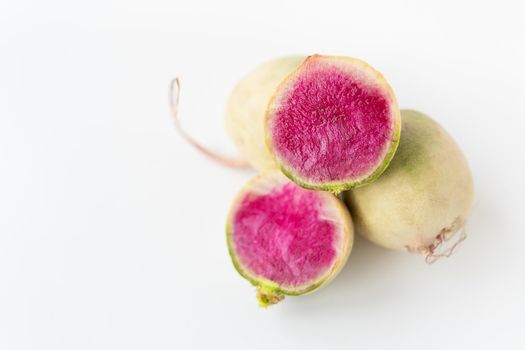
(423, 198)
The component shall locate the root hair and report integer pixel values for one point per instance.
(174, 94)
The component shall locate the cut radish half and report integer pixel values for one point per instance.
(333, 124)
(287, 240)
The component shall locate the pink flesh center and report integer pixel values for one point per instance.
(281, 237)
(330, 126)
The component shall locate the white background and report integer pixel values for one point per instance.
(112, 228)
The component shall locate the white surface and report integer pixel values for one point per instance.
(112, 228)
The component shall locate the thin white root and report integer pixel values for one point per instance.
(431, 256)
(235, 163)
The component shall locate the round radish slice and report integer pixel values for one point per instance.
(287, 240)
(333, 124)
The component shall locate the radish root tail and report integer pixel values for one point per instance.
(432, 256)
(174, 93)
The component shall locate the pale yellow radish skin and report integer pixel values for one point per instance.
(423, 197)
(246, 109)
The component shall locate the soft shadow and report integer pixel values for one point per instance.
(366, 279)
(491, 232)
(374, 275)
(361, 282)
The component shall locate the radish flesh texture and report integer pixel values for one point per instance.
(333, 124)
(287, 240)
(425, 195)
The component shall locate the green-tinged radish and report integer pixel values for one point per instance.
(287, 240)
(423, 198)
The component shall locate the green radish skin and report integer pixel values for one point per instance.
(425, 195)
(246, 108)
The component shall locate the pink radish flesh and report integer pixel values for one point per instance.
(331, 127)
(333, 124)
(282, 237)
